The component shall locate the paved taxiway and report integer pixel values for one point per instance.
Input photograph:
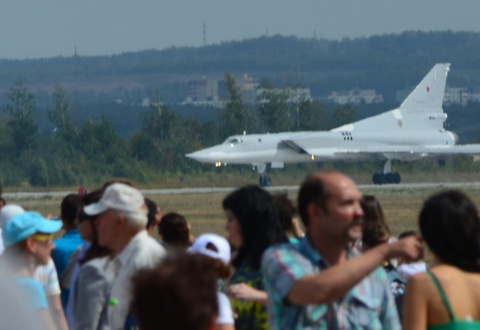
(205, 190)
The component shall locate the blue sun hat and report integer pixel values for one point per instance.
(24, 225)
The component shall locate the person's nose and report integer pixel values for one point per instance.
(358, 210)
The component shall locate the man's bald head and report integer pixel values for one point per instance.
(317, 188)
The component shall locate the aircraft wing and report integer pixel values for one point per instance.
(294, 146)
(467, 149)
(381, 151)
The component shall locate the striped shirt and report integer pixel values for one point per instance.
(368, 305)
(47, 276)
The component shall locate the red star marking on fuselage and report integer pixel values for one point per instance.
(428, 89)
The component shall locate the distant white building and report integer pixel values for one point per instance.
(453, 95)
(293, 95)
(203, 89)
(356, 96)
(475, 95)
(456, 95)
(213, 91)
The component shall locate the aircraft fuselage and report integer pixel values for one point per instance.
(343, 145)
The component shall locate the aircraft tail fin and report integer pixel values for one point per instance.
(427, 97)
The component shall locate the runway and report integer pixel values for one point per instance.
(206, 190)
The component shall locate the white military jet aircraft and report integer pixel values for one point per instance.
(414, 130)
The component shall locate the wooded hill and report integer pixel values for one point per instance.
(385, 62)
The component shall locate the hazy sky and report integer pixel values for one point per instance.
(47, 28)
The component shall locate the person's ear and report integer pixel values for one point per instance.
(121, 220)
(213, 323)
(30, 244)
(314, 211)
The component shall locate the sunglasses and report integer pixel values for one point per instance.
(47, 238)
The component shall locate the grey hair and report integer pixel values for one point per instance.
(134, 219)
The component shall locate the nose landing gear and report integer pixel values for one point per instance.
(264, 180)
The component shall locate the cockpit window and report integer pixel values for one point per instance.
(233, 142)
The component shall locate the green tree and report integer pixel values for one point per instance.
(170, 137)
(343, 115)
(22, 124)
(234, 116)
(144, 148)
(7, 147)
(60, 114)
(100, 140)
(273, 109)
(161, 122)
(38, 173)
(312, 115)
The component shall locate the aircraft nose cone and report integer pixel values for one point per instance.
(192, 155)
(199, 156)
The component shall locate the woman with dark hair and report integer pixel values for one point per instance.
(252, 226)
(375, 228)
(154, 215)
(448, 295)
(286, 214)
(175, 231)
(375, 231)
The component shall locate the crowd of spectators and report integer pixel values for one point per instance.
(120, 264)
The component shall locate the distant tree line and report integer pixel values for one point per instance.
(93, 150)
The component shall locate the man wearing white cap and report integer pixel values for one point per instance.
(121, 220)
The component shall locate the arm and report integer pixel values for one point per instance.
(297, 229)
(246, 292)
(91, 296)
(337, 280)
(56, 311)
(415, 304)
(224, 319)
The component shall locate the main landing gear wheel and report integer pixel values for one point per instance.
(380, 178)
(265, 181)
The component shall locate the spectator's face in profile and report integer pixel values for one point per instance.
(85, 226)
(158, 216)
(234, 230)
(106, 224)
(42, 247)
(343, 216)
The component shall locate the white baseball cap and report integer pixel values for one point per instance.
(118, 197)
(212, 245)
(9, 211)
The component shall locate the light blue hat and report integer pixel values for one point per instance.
(24, 225)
